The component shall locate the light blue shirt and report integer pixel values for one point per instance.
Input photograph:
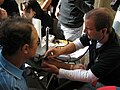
(10, 76)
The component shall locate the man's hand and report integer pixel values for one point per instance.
(53, 52)
(78, 66)
(3, 14)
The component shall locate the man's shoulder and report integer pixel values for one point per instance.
(5, 80)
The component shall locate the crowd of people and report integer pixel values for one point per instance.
(19, 41)
(32, 9)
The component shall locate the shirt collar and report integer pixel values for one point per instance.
(98, 45)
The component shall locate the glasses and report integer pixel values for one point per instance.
(38, 42)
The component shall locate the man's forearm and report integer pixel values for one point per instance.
(70, 48)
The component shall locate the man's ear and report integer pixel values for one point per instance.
(25, 48)
(104, 30)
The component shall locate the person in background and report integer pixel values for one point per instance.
(115, 4)
(54, 5)
(104, 53)
(10, 6)
(19, 41)
(49, 5)
(70, 15)
(45, 5)
(32, 9)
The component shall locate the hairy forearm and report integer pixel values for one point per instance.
(70, 48)
(64, 65)
(59, 64)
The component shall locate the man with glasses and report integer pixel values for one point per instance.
(19, 41)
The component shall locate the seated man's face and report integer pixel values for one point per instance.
(36, 41)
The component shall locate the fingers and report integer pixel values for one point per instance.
(44, 64)
(50, 53)
(82, 66)
(79, 66)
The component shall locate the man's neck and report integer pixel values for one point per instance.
(104, 39)
(14, 60)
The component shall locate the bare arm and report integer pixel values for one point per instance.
(77, 72)
(53, 65)
(45, 4)
(70, 48)
(56, 51)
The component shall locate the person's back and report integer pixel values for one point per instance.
(54, 4)
(70, 15)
